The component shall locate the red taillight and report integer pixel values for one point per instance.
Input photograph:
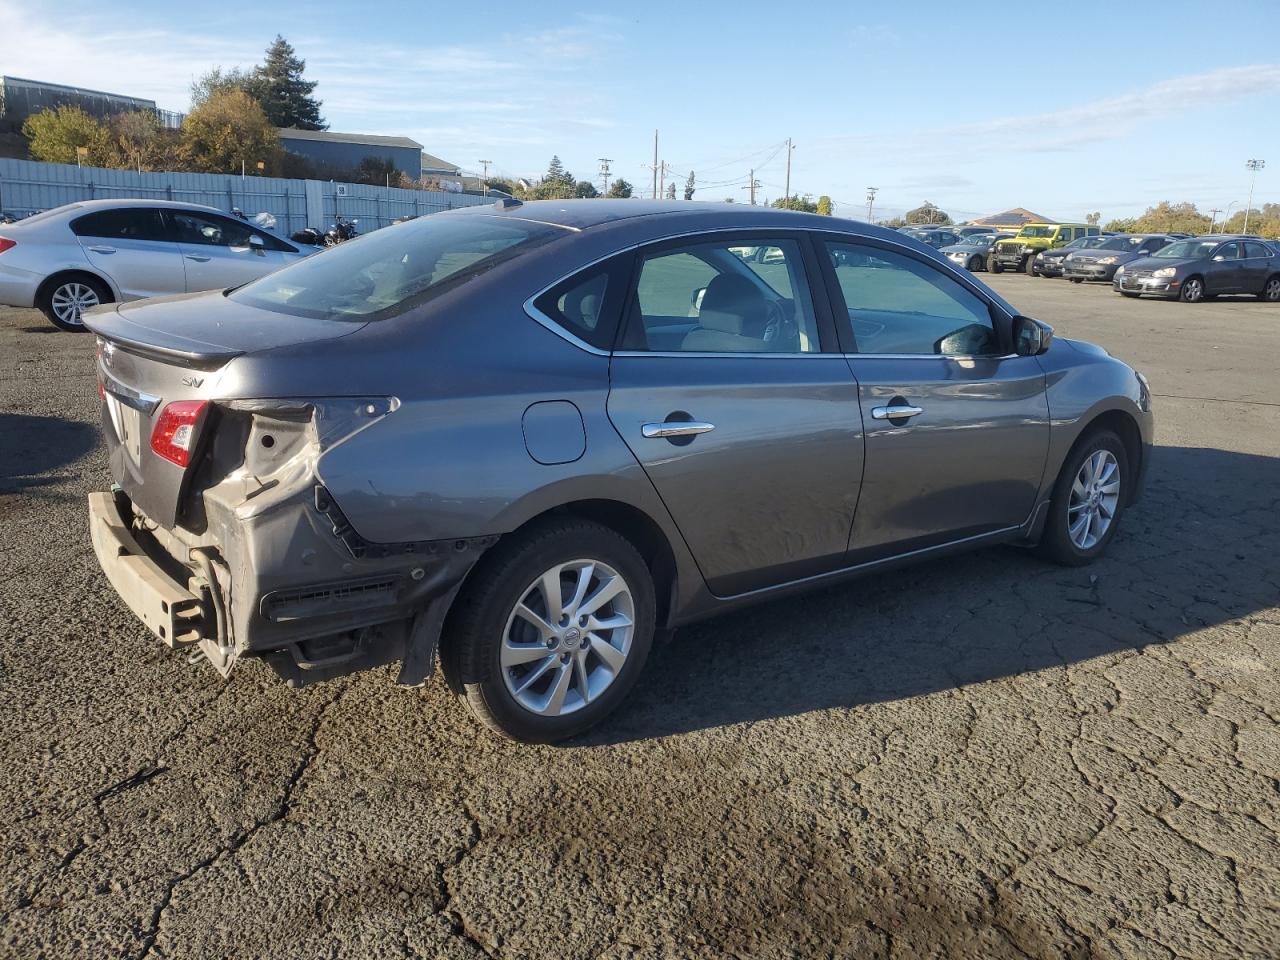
(6, 243)
(175, 433)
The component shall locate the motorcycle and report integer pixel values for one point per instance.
(341, 230)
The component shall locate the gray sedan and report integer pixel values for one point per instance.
(535, 437)
(1102, 260)
(74, 257)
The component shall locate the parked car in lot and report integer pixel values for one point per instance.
(971, 252)
(1201, 268)
(540, 433)
(1048, 263)
(1102, 261)
(970, 231)
(937, 237)
(74, 257)
(1019, 252)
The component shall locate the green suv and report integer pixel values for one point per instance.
(1018, 253)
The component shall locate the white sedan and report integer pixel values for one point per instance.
(74, 257)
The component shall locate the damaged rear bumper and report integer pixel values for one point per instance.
(293, 584)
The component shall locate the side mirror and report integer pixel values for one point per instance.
(1219, 258)
(1030, 337)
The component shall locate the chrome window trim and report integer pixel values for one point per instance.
(535, 314)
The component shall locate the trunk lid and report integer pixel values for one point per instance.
(152, 353)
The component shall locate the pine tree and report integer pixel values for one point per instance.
(689, 187)
(286, 98)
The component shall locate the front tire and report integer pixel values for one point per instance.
(1192, 290)
(1088, 499)
(975, 264)
(994, 265)
(552, 630)
(65, 300)
(1271, 290)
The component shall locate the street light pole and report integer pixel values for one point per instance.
(1254, 166)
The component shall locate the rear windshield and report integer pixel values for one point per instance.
(387, 272)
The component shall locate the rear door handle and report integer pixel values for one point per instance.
(896, 411)
(676, 428)
(103, 249)
(198, 257)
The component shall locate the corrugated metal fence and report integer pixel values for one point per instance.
(27, 187)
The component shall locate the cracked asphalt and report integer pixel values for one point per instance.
(986, 758)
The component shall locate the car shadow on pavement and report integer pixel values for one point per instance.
(31, 447)
(1182, 560)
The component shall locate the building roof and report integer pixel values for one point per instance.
(432, 164)
(7, 81)
(329, 136)
(1013, 218)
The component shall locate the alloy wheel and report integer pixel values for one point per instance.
(70, 300)
(1193, 290)
(567, 638)
(1095, 496)
(1272, 291)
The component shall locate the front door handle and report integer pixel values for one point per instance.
(675, 428)
(896, 411)
(198, 257)
(103, 249)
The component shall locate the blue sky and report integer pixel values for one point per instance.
(1059, 107)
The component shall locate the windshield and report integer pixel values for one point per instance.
(1037, 231)
(1187, 249)
(977, 239)
(1085, 243)
(1121, 243)
(396, 268)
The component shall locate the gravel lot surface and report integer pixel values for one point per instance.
(986, 757)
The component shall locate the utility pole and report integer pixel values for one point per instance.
(655, 164)
(604, 173)
(1213, 216)
(753, 185)
(1254, 166)
(787, 189)
(484, 186)
(663, 167)
(871, 201)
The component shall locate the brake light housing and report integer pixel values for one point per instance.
(176, 431)
(7, 244)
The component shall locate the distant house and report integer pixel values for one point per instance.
(344, 151)
(1012, 219)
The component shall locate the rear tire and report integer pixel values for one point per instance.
(1270, 292)
(1084, 514)
(490, 650)
(64, 298)
(1075, 279)
(1028, 265)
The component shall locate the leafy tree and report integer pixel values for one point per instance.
(689, 187)
(620, 189)
(1264, 222)
(137, 141)
(803, 204)
(218, 80)
(927, 213)
(1093, 219)
(56, 135)
(825, 207)
(277, 84)
(671, 190)
(893, 223)
(1166, 216)
(227, 130)
(1121, 225)
(506, 186)
(586, 190)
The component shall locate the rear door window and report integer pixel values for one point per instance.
(1252, 249)
(123, 223)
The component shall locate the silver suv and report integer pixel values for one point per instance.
(539, 435)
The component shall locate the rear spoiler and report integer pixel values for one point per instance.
(157, 344)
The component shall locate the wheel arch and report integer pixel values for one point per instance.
(48, 283)
(1125, 426)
